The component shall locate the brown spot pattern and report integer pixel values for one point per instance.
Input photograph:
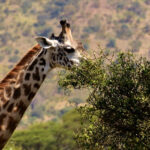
(3, 99)
(2, 116)
(31, 67)
(12, 124)
(22, 107)
(44, 77)
(36, 85)
(10, 107)
(17, 93)
(2, 141)
(5, 105)
(8, 91)
(27, 76)
(27, 89)
(31, 95)
(36, 75)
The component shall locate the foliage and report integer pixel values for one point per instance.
(137, 9)
(111, 43)
(119, 107)
(13, 58)
(146, 29)
(136, 45)
(76, 101)
(50, 135)
(1, 58)
(147, 2)
(93, 25)
(124, 32)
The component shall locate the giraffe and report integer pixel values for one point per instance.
(21, 84)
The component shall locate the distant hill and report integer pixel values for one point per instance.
(113, 24)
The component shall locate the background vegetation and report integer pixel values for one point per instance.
(58, 135)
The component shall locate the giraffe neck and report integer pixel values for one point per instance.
(18, 96)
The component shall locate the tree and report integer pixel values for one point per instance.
(51, 135)
(111, 43)
(118, 109)
(124, 32)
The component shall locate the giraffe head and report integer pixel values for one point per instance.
(59, 54)
(63, 50)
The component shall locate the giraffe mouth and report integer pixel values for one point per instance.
(76, 62)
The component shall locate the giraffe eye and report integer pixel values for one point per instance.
(69, 50)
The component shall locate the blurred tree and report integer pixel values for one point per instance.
(26, 5)
(1, 58)
(137, 9)
(13, 59)
(46, 136)
(146, 29)
(111, 43)
(135, 45)
(76, 101)
(147, 2)
(124, 32)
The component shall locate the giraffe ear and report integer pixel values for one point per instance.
(45, 42)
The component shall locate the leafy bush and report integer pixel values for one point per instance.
(43, 30)
(127, 17)
(137, 9)
(124, 32)
(5, 37)
(146, 29)
(136, 45)
(111, 43)
(93, 25)
(48, 136)
(76, 101)
(13, 59)
(8, 51)
(1, 58)
(91, 29)
(118, 109)
(26, 5)
(147, 2)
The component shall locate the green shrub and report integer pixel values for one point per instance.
(111, 43)
(91, 29)
(1, 58)
(118, 109)
(48, 136)
(124, 32)
(146, 29)
(137, 8)
(135, 45)
(147, 2)
(13, 59)
(76, 101)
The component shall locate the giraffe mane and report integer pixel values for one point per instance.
(12, 75)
